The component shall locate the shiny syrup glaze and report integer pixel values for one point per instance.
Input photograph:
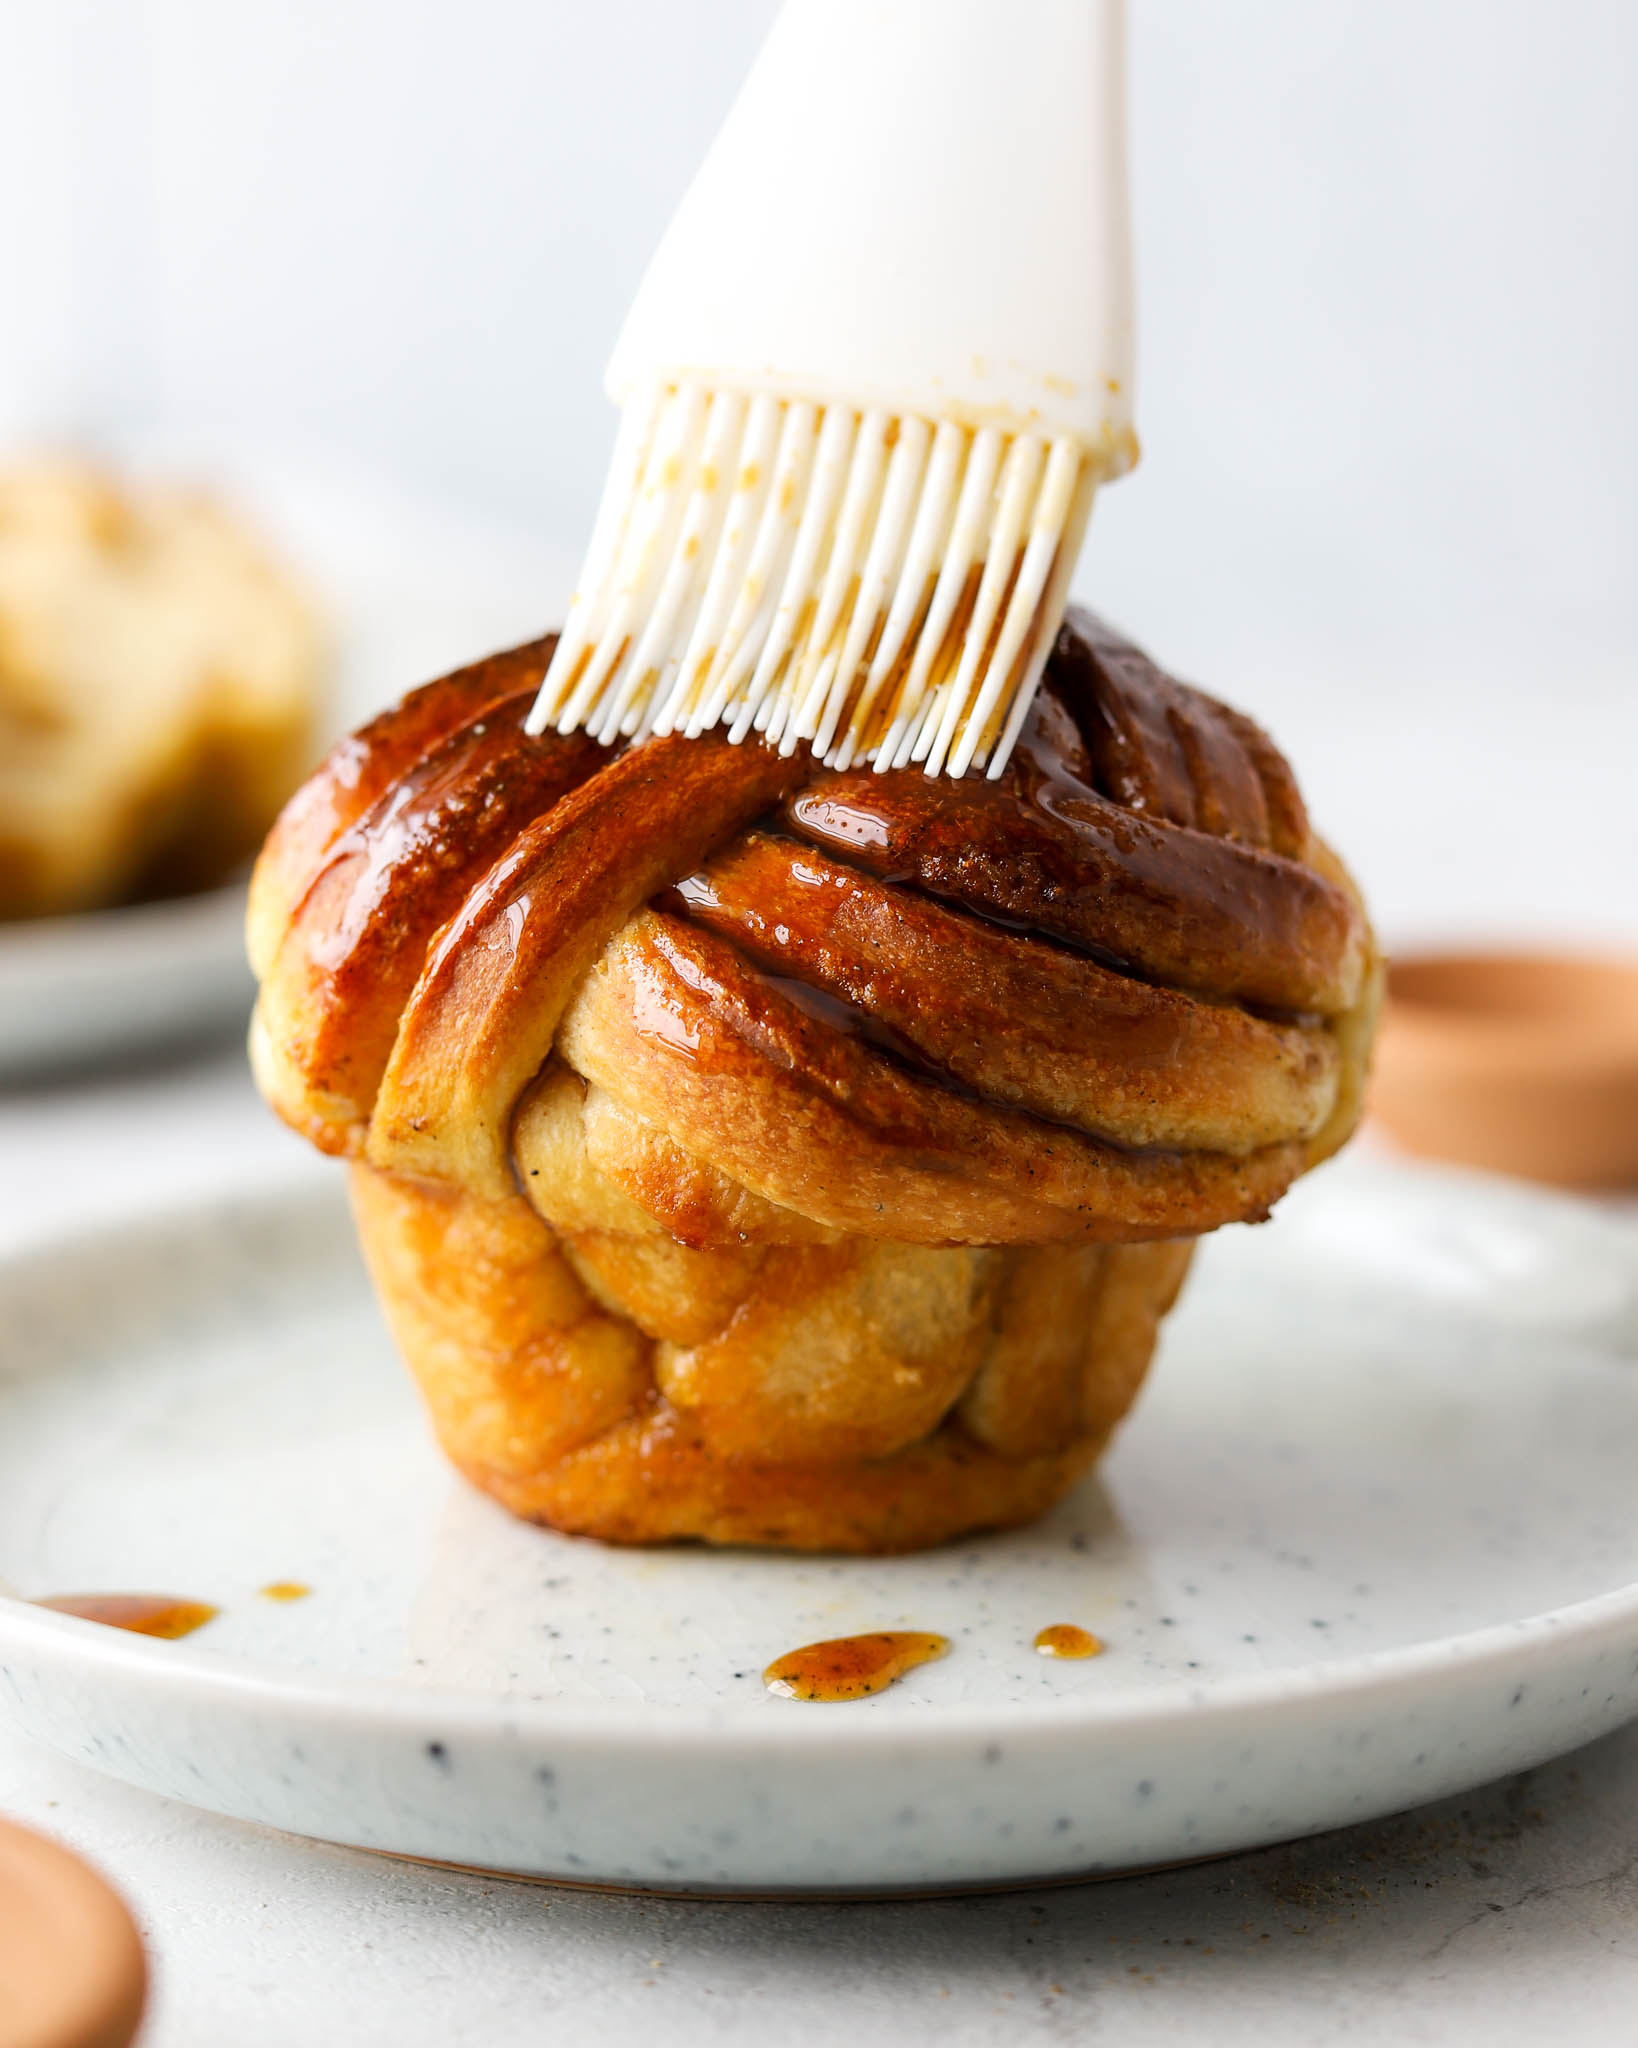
(1067, 1639)
(141, 1614)
(393, 879)
(692, 992)
(864, 956)
(1203, 905)
(662, 1022)
(1170, 752)
(369, 761)
(410, 859)
(362, 768)
(852, 1667)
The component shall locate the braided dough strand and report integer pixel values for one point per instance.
(751, 1153)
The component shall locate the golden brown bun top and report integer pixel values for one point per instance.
(1120, 992)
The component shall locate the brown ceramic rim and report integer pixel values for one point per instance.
(71, 1961)
(1550, 1010)
(1519, 1061)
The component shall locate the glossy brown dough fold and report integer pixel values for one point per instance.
(759, 1154)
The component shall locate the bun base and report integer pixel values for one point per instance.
(859, 1395)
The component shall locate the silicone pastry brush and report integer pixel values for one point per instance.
(876, 371)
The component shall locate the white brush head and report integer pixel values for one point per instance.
(874, 374)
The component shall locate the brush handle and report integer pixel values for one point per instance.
(916, 205)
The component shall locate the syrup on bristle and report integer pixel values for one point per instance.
(877, 586)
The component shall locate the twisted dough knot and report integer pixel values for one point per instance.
(750, 1151)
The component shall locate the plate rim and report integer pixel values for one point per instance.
(29, 944)
(1516, 1645)
(770, 1727)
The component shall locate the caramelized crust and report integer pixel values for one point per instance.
(1037, 1026)
(813, 1120)
(362, 768)
(1174, 753)
(481, 1020)
(763, 1154)
(1042, 849)
(357, 940)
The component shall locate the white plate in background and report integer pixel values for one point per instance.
(410, 589)
(112, 983)
(1371, 1537)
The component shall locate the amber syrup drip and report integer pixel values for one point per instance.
(141, 1614)
(1065, 1639)
(851, 1667)
(286, 1590)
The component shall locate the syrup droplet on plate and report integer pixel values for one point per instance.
(851, 1667)
(142, 1614)
(286, 1589)
(1064, 1639)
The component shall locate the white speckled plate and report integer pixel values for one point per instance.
(1371, 1537)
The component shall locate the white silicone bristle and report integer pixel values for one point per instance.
(883, 588)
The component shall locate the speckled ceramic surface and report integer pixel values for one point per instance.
(1371, 1537)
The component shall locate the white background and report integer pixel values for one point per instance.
(1389, 327)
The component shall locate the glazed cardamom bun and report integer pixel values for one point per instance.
(756, 1153)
